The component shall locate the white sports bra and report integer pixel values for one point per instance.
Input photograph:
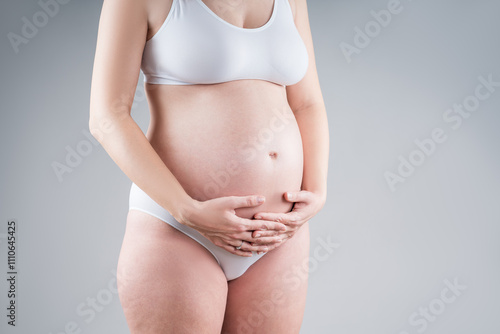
(195, 46)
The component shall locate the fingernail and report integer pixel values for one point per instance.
(289, 195)
(258, 217)
(257, 235)
(260, 199)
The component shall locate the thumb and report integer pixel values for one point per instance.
(292, 196)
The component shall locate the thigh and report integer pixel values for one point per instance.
(167, 282)
(270, 297)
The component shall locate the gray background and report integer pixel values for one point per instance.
(396, 248)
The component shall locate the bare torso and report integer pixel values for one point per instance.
(234, 138)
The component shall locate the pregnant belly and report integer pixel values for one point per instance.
(238, 152)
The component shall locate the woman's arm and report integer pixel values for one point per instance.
(121, 38)
(306, 101)
(123, 28)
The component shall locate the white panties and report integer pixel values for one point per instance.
(233, 265)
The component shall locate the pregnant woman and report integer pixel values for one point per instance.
(231, 169)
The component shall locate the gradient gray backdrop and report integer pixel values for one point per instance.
(395, 249)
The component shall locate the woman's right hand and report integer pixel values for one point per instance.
(217, 221)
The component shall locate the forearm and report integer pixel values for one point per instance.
(313, 125)
(129, 148)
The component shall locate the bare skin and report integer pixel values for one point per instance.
(210, 151)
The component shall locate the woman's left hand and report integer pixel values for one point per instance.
(306, 205)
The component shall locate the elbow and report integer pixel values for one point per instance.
(103, 123)
(106, 114)
(97, 125)
(94, 128)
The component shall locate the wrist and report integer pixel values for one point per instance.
(320, 194)
(186, 210)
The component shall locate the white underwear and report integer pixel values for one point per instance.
(232, 265)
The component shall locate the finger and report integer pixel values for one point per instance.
(246, 201)
(287, 236)
(247, 237)
(252, 236)
(264, 234)
(273, 246)
(247, 246)
(240, 252)
(251, 244)
(298, 196)
(227, 245)
(267, 241)
(284, 218)
(254, 248)
(263, 225)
